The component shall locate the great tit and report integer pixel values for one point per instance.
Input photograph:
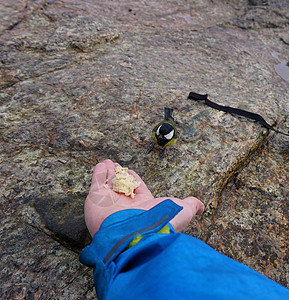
(165, 133)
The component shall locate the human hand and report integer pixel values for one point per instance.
(102, 201)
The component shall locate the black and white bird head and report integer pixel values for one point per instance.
(165, 133)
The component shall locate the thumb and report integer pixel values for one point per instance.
(195, 204)
(191, 207)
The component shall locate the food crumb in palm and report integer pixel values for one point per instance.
(124, 182)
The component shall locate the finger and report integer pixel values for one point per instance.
(142, 189)
(110, 170)
(110, 165)
(191, 207)
(196, 205)
(99, 176)
(201, 209)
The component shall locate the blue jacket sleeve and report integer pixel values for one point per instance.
(166, 266)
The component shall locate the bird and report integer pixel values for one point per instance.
(164, 133)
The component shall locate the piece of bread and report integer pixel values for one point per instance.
(124, 182)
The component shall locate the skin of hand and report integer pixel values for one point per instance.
(102, 201)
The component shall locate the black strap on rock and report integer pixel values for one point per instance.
(232, 110)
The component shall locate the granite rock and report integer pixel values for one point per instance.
(82, 81)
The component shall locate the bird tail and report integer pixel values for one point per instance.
(168, 114)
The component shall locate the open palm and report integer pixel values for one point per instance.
(102, 201)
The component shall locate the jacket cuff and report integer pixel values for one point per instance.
(116, 233)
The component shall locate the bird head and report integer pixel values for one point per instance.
(164, 133)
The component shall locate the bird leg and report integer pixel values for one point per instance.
(164, 153)
(151, 147)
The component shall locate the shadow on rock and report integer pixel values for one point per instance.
(64, 217)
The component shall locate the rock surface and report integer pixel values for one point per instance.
(82, 81)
